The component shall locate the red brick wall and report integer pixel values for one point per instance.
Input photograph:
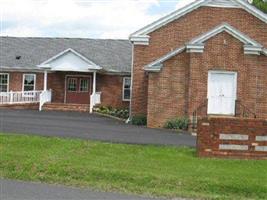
(16, 80)
(216, 56)
(56, 82)
(216, 134)
(168, 91)
(111, 87)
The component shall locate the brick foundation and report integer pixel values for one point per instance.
(29, 106)
(232, 138)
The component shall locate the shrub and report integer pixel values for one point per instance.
(177, 123)
(139, 120)
(108, 110)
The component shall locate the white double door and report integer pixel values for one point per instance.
(222, 92)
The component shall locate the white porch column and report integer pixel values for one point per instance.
(45, 80)
(94, 83)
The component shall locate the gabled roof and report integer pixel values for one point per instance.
(197, 45)
(91, 65)
(141, 36)
(113, 56)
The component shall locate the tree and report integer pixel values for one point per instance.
(261, 4)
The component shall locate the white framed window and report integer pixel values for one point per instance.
(29, 81)
(126, 90)
(4, 82)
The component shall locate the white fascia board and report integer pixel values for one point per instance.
(157, 64)
(44, 66)
(195, 48)
(170, 17)
(229, 29)
(92, 65)
(264, 51)
(189, 8)
(140, 40)
(223, 4)
(154, 69)
(252, 50)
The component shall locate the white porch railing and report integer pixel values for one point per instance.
(45, 97)
(95, 99)
(25, 97)
(20, 97)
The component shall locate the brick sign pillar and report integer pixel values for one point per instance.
(232, 138)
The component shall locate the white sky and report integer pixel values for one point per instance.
(81, 18)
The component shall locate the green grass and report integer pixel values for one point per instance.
(146, 170)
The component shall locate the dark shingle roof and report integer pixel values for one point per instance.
(112, 55)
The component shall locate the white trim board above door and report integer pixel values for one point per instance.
(222, 92)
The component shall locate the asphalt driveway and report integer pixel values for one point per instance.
(18, 190)
(87, 126)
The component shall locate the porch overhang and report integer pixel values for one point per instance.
(69, 60)
(69, 68)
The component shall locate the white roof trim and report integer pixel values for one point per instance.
(229, 29)
(157, 64)
(91, 64)
(168, 18)
(197, 46)
(189, 8)
(223, 4)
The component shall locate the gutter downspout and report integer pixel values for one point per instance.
(130, 105)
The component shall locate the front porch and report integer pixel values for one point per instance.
(64, 91)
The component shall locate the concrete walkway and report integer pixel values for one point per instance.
(87, 126)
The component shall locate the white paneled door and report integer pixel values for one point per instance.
(222, 92)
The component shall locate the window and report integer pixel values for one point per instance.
(4, 79)
(72, 84)
(29, 82)
(84, 85)
(126, 89)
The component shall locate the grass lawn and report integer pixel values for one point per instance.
(146, 170)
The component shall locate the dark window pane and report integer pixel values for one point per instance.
(72, 84)
(3, 88)
(3, 82)
(127, 82)
(84, 85)
(28, 88)
(127, 88)
(29, 82)
(127, 94)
